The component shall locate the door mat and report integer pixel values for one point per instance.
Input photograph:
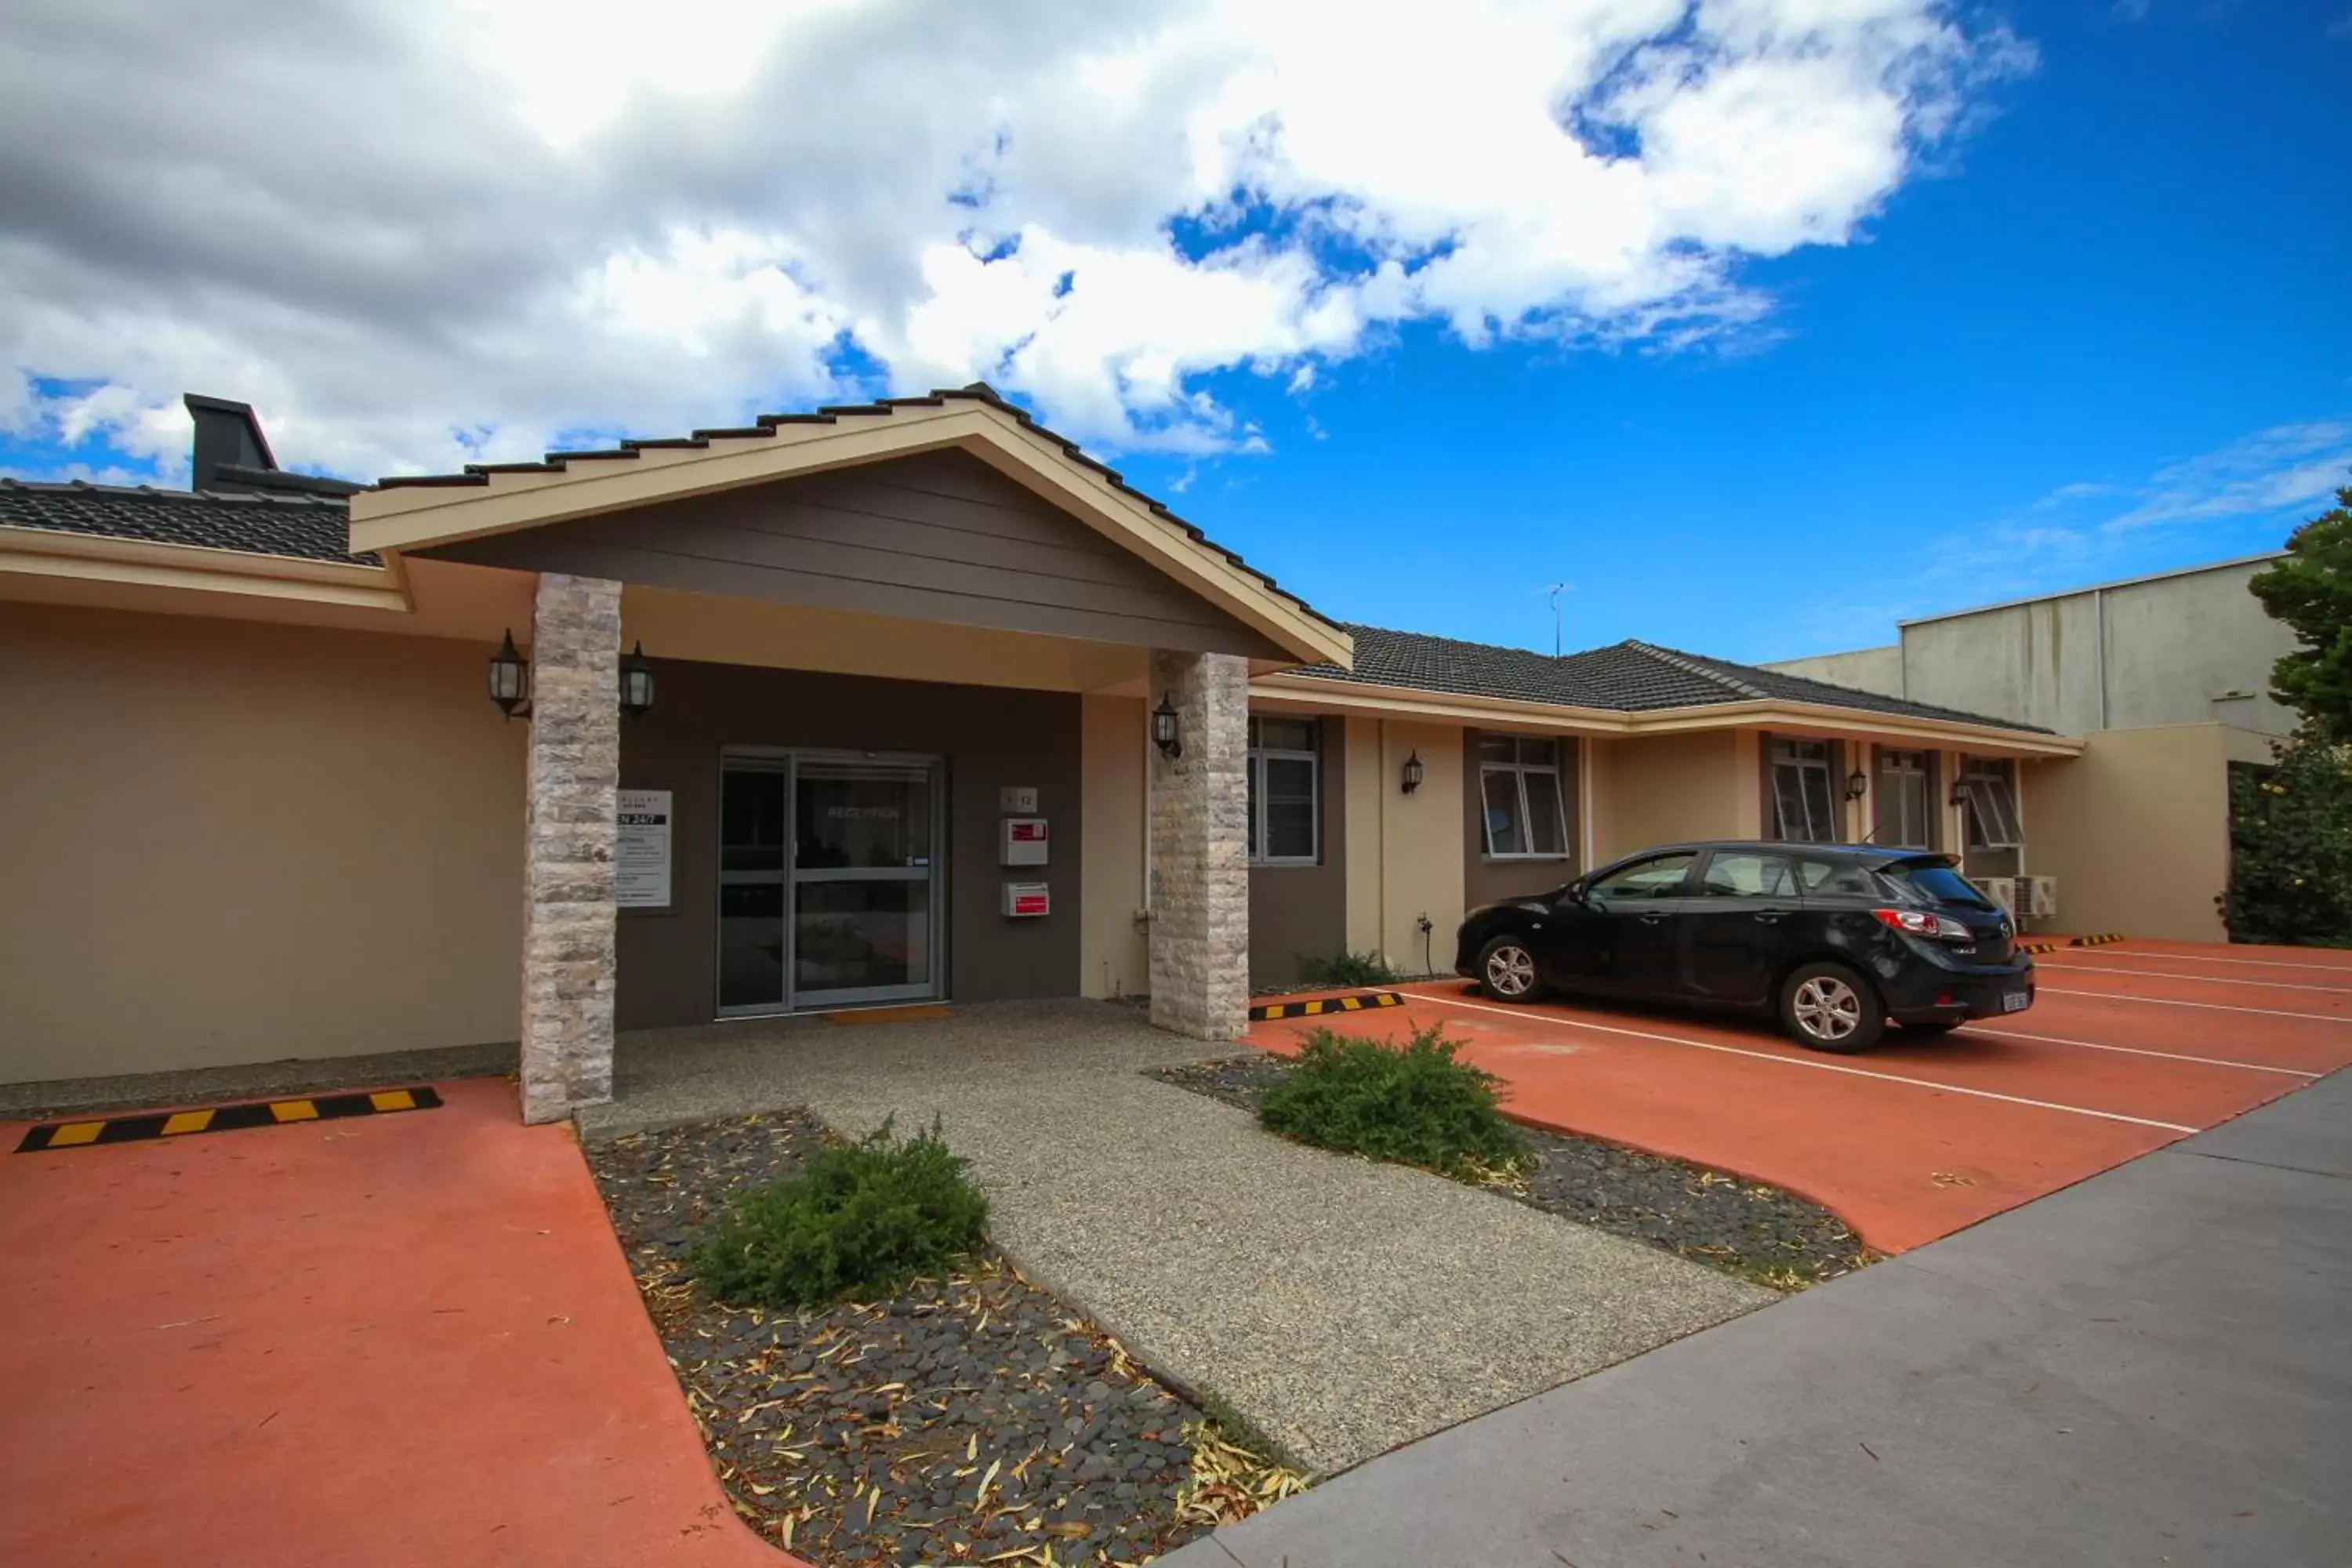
(1317, 1006)
(891, 1015)
(93, 1131)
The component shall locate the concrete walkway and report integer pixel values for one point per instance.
(1343, 1307)
(2149, 1368)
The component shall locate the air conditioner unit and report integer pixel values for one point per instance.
(2001, 891)
(2042, 898)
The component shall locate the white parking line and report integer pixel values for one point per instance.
(2138, 1051)
(2209, 958)
(2201, 979)
(1528, 1016)
(2209, 1006)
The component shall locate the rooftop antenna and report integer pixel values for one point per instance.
(1553, 593)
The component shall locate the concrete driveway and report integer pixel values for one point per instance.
(2147, 1368)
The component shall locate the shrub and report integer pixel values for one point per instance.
(861, 1219)
(2291, 846)
(1413, 1103)
(1348, 969)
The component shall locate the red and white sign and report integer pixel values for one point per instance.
(1027, 901)
(1023, 842)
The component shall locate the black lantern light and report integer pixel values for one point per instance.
(1413, 772)
(636, 682)
(510, 679)
(1856, 782)
(1168, 728)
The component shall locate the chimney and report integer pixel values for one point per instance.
(226, 434)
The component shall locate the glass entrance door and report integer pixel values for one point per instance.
(847, 907)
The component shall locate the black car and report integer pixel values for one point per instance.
(1837, 939)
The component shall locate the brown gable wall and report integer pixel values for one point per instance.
(938, 536)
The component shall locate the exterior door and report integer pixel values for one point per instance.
(832, 880)
(1737, 924)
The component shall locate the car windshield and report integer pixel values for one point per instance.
(1939, 883)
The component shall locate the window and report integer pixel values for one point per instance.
(1658, 878)
(1804, 802)
(1838, 878)
(1518, 785)
(1745, 874)
(1905, 798)
(1988, 791)
(1285, 797)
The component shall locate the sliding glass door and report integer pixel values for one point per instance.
(846, 906)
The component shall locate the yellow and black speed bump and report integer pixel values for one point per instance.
(1316, 1007)
(2100, 941)
(85, 1133)
(2031, 947)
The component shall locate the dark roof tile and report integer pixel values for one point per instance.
(305, 527)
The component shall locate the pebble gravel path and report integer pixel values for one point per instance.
(971, 1419)
(1764, 1233)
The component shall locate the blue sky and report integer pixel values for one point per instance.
(1786, 328)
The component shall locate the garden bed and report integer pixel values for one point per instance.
(1760, 1233)
(973, 1419)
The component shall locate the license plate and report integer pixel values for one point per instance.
(2016, 1001)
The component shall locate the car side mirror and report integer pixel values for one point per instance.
(1574, 893)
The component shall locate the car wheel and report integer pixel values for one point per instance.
(1831, 1008)
(1506, 971)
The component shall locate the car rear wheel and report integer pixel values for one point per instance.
(1506, 971)
(1831, 1008)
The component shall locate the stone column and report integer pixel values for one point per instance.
(1199, 849)
(568, 931)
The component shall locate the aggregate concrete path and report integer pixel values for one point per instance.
(2149, 1368)
(1343, 1307)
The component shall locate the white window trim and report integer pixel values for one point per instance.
(1918, 765)
(1519, 771)
(1819, 764)
(1258, 756)
(1979, 777)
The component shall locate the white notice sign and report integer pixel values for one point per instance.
(641, 859)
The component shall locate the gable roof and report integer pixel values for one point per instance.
(1627, 676)
(484, 499)
(301, 527)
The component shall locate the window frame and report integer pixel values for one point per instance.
(1518, 767)
(1823, 765)
(1979, 776)
(1925, 772)
(1257, 757)
(1680, 888)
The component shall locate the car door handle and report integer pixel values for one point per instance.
(1651, 917)
(1769, 917)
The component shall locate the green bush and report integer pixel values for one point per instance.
(1413, 1103)
(2291, 846)
(860, 1220)
(1348, 969)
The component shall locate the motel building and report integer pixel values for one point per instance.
(903, 702)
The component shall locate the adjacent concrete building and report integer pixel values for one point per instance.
(2166, 678)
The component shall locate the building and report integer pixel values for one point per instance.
(2166, 678)
(900, 701)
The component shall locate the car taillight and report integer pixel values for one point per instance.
(1919, 922)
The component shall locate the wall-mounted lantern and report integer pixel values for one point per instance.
(1411, 779)
(1168, 728)
(636, 683)
(510, 679)
(1857, 783)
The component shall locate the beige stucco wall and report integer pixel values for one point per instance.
(232, 842)
(2137, 829)
(1665, 789)
(1113, 957)
(1876, 669)
(1404, 853)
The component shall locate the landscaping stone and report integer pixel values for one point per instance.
(962, 1420)
(1760, 1233)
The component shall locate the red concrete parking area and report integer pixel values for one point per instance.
(2128, 1047)
(394, 1340)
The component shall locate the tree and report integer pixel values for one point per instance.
(2291, 846)
(2310, 591)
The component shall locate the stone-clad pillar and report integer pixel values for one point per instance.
(1199, 849)
(574, 770)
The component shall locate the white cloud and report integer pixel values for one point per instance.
(2272, 470)
(416, 233)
